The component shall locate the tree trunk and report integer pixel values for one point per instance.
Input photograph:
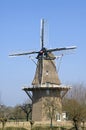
(27, 116)
(51, 123)
(77, 125)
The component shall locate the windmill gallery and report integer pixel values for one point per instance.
(46, 86)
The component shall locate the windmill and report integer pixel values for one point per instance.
(43, 53)
(46, 81)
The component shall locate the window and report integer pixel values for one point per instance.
(58, 117)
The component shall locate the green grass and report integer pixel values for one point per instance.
(53, 128)
(47, 128)
(12, 128)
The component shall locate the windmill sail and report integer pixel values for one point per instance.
(43, 53)
(42, 34)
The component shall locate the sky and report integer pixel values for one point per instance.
(65, 25)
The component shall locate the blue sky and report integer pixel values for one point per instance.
(20, 31)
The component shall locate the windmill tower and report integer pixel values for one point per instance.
(46, 83)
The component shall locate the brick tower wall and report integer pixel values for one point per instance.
(39, 97)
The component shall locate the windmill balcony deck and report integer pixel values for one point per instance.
(44, 86)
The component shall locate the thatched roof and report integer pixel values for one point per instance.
(46, 72)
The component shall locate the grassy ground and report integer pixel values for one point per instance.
(39, 128)
(48, 128)
(12, 128)
(54, 128)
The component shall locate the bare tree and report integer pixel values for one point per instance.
(51, 107)
(27, 108)
(17, 113)
(3, 118)
(75, 105)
